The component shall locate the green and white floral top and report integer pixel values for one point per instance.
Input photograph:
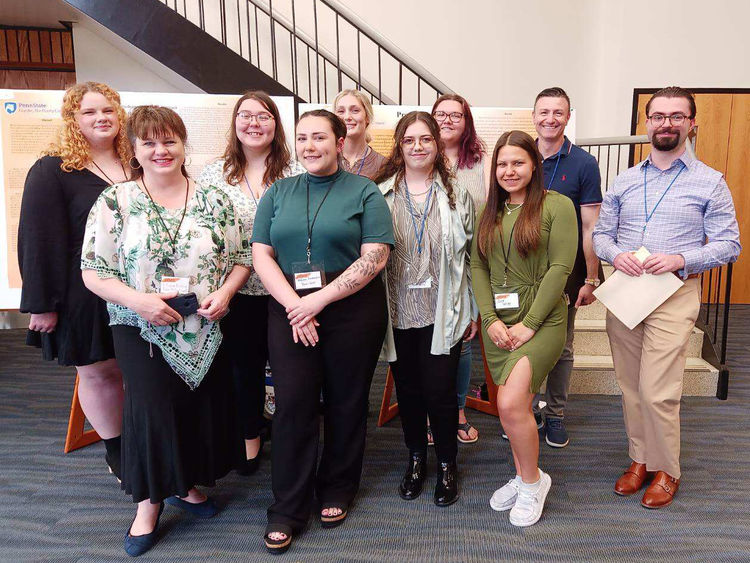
(245, 207)
(125, 239)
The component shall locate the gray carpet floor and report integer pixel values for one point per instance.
(57, 507)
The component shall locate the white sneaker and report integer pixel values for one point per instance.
(505, 497)
(530, 502)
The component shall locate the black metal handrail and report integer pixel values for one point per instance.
(716, 284)
(291, 48)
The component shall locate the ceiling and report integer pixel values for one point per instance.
(36, 13)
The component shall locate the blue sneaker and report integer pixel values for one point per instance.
(555, 433)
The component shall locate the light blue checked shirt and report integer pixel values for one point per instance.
(695, 218)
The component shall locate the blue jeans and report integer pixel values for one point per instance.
(463, 375)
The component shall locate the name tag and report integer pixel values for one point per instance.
(308, 280)
(426, 284)
(172, 284)
(506, 301)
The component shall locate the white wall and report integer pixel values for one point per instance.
(502, 52)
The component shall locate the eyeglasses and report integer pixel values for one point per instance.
(409, 142)
(247, 117)
(675, 119)
(455, 116)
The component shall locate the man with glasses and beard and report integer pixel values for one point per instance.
(681, 211)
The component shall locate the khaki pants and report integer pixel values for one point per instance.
(649, 365)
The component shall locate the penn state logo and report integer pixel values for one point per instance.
(11, 107)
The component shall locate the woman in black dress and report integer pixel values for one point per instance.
(68, 322)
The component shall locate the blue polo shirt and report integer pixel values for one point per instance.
(574, 173)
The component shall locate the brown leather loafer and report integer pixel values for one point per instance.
(632, 480)
(661, 491)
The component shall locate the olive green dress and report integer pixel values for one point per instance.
(539, 280)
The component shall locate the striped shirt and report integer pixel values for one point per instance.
(679, 219)
(414, 308)
(472, 180)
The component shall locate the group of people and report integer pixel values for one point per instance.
(179, 290)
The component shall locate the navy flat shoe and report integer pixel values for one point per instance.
(138, 545)
(205, 509)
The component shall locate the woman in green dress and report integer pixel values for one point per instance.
(521, 258)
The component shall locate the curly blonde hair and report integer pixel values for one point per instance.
(71, 146)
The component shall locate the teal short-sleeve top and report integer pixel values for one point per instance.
(353, 213)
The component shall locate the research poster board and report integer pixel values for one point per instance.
(490, 122)
(28, 123)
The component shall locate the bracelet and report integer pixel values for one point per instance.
(592, 281)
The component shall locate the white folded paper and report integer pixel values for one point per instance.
(632, 298)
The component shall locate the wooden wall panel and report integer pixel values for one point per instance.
(713, 121)
(36, 79)
(738, 178)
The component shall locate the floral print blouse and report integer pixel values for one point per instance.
(125, 239)
(245, 207)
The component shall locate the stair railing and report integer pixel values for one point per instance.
(315, 48)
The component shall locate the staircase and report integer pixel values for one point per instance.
(593, 371)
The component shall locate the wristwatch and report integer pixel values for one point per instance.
(592, 281)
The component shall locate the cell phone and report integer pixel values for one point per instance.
(185, 304)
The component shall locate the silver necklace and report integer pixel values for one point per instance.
(509, 210)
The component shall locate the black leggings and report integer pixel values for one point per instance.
(426, 386)
(341, 365)
(245, 330)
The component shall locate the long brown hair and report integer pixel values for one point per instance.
(154, 121)
(394, 165)
(234, 157)
(527, 232)
(70, 145)
(470, 146)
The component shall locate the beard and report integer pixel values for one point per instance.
(665, 144)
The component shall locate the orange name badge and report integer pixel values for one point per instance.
(170, 284)
(307, 280)
(506, 301)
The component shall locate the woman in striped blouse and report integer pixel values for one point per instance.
(429, 292)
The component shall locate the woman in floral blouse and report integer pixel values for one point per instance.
(255, 157)
(146, 241)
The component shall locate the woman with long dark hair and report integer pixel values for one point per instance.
(68, 322)
(429, 297)
(521, 257)
(464, 151)
(319, 241)
(255, 157)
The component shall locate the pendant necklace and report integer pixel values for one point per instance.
(509, 210)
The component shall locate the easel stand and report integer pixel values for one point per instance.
(77, 437)
(388, 410)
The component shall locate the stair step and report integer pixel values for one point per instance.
(591, 339)
(595, 375)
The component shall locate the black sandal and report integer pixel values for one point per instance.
(277, 546)
(338, 519)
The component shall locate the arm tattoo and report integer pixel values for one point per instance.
(362, 270)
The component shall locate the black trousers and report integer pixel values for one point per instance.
(341, 365)
(245, 330)
(426, 385)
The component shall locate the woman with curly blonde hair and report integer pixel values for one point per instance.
(68, 322)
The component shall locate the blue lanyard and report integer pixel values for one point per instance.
(419, 234)
(645, 204)
(265, 188)
(361, 164)
(554, 173)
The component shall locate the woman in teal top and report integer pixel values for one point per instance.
(521, 258)
(319, 242)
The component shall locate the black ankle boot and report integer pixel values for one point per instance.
(446, 489)
(411, 485)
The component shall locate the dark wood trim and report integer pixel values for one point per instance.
(25, 65)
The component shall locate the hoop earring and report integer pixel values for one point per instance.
(130, 163)
(186, 163)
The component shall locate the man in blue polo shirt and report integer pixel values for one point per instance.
(573, 172)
